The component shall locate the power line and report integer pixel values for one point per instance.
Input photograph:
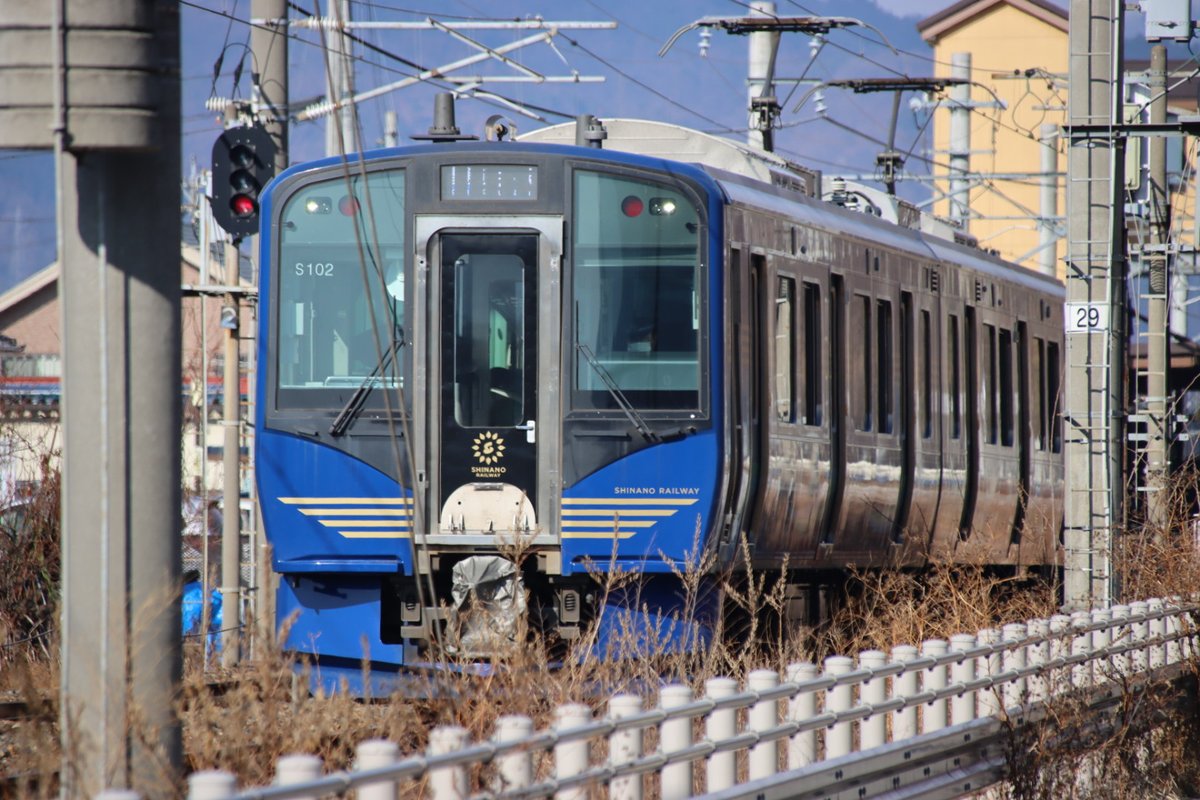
(648, 88)
(382, 51)
(624, 23)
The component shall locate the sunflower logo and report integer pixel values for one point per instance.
(488, 447)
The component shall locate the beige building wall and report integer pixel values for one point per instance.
(1005, 38)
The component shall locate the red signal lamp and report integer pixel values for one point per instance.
(241, 205)
(632, 206)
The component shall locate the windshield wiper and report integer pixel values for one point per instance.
(638, 421)
(354, 405)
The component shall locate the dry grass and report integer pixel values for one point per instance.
(245, 720)
(891, 607)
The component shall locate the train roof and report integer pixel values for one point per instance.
(762, 179)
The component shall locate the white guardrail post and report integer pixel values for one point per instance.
(1139, 632)
(721, 771)
(1036, 655)
(1174, 628)
(571, 758)
(962, 706)
(1081, 645)
(675, 735)
(1015, 658)
(1101, 639)
(1158, 629)
(447, 783)
(872, 731)
(904, 720)
(839, 737)
(295, 769)
(211, 784)
(1120, 662)
(802, 748)
(933, 717)
(1057, 680)
(763, 716)
(375, 754)
(988, 666)
(514, 770)
(624, 747)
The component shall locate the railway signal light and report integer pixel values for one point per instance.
(243, 160)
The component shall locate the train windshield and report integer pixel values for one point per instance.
(340, 309)
(636, 287)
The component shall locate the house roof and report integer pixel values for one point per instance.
(937, 25)
(46, 276)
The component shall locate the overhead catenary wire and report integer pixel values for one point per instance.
(387, 53)
(647, 87)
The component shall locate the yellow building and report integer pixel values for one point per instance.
(1018, 51)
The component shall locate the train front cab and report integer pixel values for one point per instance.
(467, 356)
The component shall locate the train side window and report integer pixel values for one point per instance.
(1039, 369)
(926, 376)
(785, 349)
(1006, 388)
(883, 331)
(1052, 389)
(955, 381)
(812, 355)
(989, 384)
(860, 320)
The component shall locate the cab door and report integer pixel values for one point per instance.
(491, 402)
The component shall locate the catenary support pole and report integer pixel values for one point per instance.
(269, 43)
(1048, 201)
(1158, 195)
(763, 47)
(1094, 410)
(118, 229)
(960, 140)
(231, 528)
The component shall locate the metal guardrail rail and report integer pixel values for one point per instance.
(928, 722)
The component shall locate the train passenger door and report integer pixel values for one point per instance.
(490, 295)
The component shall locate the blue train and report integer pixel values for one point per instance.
(492, 371)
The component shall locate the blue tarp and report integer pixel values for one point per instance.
(193, 611)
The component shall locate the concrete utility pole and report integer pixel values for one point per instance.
(118, 170)
(269, 45)
(1157, 452)
(339, 127)
(764, 45)
(960, 140)
(1048, 201)
(1094, 413)
(231, 490)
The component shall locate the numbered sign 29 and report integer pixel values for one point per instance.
(1086, 317)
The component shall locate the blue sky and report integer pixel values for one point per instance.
(683, 87)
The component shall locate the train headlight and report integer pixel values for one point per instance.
(318, 205)
(662, 206)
